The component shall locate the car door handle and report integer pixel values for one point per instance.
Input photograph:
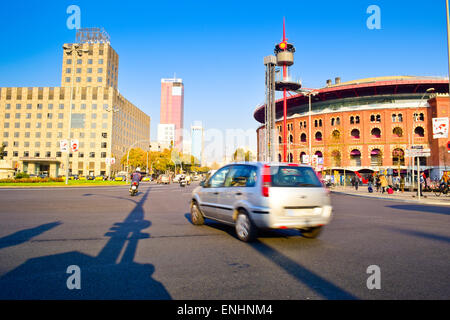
(239, 193)
(215, 193)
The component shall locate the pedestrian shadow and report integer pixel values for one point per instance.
(422, 208)
(421, 234)
(26, 235)
(315, 282)
(109, 275)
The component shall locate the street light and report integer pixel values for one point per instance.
(128, 153)
(113, 110)
(412, 142)
(309, 94)
(73, 50)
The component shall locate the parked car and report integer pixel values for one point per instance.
(146, 179)
(120, 178)
(177, 177)
(90, 177)
(100, 178)
(251, 196)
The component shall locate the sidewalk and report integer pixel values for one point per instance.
(427, 198)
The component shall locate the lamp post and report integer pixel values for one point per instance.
(73, 50)
(113, 110)
(309, 94)
(412, 139)
(128, 153)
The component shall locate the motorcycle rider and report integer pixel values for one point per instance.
(136, 176)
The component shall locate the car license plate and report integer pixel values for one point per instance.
(303, 212)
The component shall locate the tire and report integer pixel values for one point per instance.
(311, 233)
(245, 229)
(196, 215)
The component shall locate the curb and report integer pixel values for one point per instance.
(437, 203)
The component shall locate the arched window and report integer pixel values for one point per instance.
(400, 117)
(372, 118)
(378, 118)
(419, 132)
(280, 140)
(304, 124)
(376, 158)
(357, 119)
(279, 157)
(303, 137)
(336, 135)
(338, 121)
(315, 123)
(352, 120)
(394, 117)
(291, 138)
(398, 157)
(320, 122)
(421, 117)
(355, 134)
(291, 157)
(301, 157)
(355, 158)
(332, 121)
(335, 158)
(318, 136)
(376, 133)
(397, 132)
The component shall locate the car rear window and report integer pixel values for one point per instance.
(291, 176)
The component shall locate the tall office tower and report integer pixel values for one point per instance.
(172, 107)
(197, 141)
(99, 67)
(34, 120)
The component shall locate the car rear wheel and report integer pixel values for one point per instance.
(312, 232)
(196, 216)
(245, 229)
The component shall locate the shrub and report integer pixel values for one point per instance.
(21, 175)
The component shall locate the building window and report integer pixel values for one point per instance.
(89, 61)
(78, 70)
(398, 157)
(394, 117)
(303, 137)
(400, 117)
(419, 132)
(99, 79)
(357, 119)
(58, 154)
(91, 154)
(318, 136)
(352, 120)
(104, 144)
(48, 154)
(397, 132)
(79, 61)
(68, 70)
(376, 133)
(26, 153)
(104, 135)
(336, 135)
(355, 134)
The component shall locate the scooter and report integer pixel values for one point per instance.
(134, 188)
(183, 183)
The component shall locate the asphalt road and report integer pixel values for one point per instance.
(145, 247)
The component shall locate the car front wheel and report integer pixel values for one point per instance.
(196, 216)
(245, 229)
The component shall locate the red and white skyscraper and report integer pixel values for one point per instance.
(172, 107)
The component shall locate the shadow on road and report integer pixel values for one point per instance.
(421, 234)
(26, 235)
(315, 282)
(106, 276)
(422, 208)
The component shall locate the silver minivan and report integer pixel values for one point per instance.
(257, 195)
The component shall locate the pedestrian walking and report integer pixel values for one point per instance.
(384, 183)
(378, 183)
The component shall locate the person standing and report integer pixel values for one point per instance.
(378, 183)
(356, 182)
(384, 183)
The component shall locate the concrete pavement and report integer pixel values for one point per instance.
(406, 196)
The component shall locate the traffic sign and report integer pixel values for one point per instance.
(74, 145)
(64, 145)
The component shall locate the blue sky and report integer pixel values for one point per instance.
(217, 47)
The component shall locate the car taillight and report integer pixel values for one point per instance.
(266, 180)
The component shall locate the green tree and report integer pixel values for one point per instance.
(137, 158)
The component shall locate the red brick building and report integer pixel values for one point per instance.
(366, 125)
